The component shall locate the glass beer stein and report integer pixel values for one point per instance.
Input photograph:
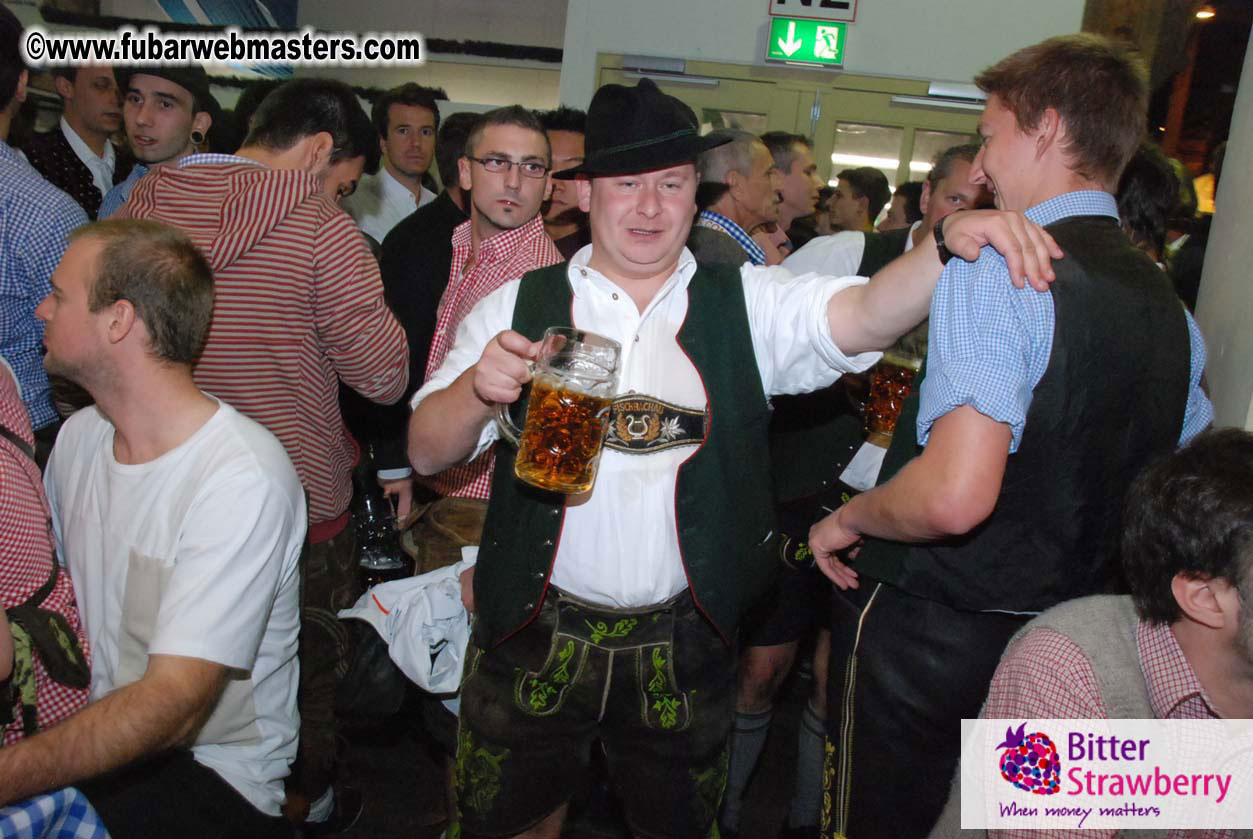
(890, 383)
(573, 384)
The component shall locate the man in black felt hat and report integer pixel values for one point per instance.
(168, 112)
(612, 614)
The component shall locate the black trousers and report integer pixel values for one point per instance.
(172, 795)
(904, 673)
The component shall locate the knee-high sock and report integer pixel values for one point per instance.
(747, 739)
(809, 754)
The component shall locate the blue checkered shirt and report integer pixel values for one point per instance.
(61, 814)
(35, 219)
(708, 218)
(991, 342)
(117, 196)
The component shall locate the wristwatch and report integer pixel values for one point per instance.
(944, 253)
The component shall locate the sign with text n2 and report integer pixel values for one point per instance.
(806, 42)
(845, 10)
(1107, 774)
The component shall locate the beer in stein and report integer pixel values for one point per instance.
(573, 383)
(890, 383)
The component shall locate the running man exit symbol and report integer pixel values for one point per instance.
(827, 42)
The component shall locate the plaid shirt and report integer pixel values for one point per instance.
(26, 557)
(35, 220)
(990, 343)
(717, 221)
(504, 257)
(1046, 676)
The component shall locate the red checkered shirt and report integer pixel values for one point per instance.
(26, 557)
(504, 257)
(1045, 675)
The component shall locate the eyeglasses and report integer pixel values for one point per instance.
(496, 165)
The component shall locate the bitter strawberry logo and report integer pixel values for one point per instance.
(1030, 762)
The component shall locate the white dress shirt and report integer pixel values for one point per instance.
(619, 546)
(380, 202)
(101, 166)
(838, 254)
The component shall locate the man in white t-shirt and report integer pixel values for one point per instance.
(181, 523)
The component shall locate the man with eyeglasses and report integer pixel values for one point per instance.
(505, 170)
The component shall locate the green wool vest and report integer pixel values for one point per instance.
(724, 509)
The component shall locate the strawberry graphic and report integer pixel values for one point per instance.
(1030, 761)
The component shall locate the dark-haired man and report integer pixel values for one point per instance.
(564, 222)
(637, 586)
(799, 182)
(859, 196)
(299, 308)
(505, 170)
(407, 119)
(1179, 646)
(1148, 198)
(168, 111)
(1035, 413)
(35, 219)
(78, 155)
(181, 523)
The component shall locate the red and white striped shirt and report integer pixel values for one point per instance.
(504, 257)
(26, 557)
(298, 306)
(1045, 675)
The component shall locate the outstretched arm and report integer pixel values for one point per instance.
(897, 298)
(165, 708)
(947, 490)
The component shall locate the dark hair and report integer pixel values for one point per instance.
(246, 106)
(451, 144)
(942, 166)
(162, 274)
(411, 93)
(911, 191)
(1096, 86)
(1190, 513)
(564, 119)
(869, 183)
(509, 115)
(1148, 198)
(304, 107)
(11, 63)
(782, 147)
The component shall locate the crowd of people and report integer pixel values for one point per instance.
(201, 343)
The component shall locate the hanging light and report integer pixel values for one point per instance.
(1206, 12)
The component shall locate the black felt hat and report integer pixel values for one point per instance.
(638, 129)
(192, 79)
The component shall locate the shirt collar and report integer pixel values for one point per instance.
(1086, 202)
(84, 151)
(394, 191)
(586, 280)
(510, 239)
(909, 237)
(210, 159)
(1168, 676)
(711, 219)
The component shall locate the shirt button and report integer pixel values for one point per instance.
(528, 607)
(615, 295)
(637, 339)
(548, 543)
(583, 271)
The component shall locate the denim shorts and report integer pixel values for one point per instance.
(655, 685)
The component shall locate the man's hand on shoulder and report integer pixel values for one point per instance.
(1027, 247)
(503, 368)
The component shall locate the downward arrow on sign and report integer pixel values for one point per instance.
(791, 45)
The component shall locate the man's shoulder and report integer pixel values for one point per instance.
(715, 246)
(241, 444)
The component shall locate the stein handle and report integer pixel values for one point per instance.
(504, 422)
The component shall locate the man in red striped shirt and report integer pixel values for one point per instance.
(299, 307)
(506, 170)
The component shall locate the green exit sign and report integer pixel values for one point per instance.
(801, 41)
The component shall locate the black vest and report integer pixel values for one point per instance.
(724, 509)
(1111, 399)
(813, 436)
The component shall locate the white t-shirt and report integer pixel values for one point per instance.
(618, 545)
(192, 554)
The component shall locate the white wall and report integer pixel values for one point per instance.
(1224, 309)
(529, 84)
(535, 23)
(948, 40)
